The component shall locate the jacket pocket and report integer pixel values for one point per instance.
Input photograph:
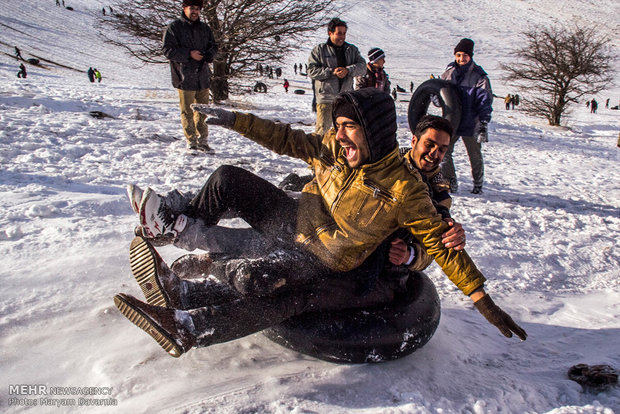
(372, 206)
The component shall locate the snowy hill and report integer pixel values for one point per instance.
(546, 232)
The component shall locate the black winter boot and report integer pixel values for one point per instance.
(161, 287)
(158, 322)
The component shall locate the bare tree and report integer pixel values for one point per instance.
(558, 66)
(248, 32)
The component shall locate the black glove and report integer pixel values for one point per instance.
(216, 116)
(499, 318)
(482, 135)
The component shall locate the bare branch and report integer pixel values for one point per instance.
(559, 66)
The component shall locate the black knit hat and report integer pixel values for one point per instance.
(345, 108)
(375, 54)
(465, 46)
(376, 113)
(187, 3)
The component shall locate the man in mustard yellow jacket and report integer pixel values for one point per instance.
(334, 237)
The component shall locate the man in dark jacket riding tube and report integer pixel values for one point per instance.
(189, 45)
(332, 242)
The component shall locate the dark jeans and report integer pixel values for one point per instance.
(261, 204)
(474, 151)
(231, 315)
(254, 294)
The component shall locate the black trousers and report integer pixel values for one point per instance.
(261, 204)
(226, 314)
(254, 294)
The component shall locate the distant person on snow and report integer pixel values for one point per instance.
(91, 74)
(286, 85)
(97, 75)
(334, 259)
(18, 54)
(333, 66)
(593, 106)
(22, 71)
(375, 76)
(476, 95)
(189, 45)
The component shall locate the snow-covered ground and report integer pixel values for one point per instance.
(546, 232)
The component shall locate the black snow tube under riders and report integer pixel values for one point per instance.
(447, 97)
(366, 334)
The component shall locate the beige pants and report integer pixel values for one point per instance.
(324, 119)
(194, 127)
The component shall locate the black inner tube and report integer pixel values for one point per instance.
(447, 96)
(367, 334)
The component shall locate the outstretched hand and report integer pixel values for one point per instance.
(216, 116)
(496, 316)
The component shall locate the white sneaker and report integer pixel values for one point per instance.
(157, 218)
(135, 197)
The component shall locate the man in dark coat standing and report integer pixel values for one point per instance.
(190, 46)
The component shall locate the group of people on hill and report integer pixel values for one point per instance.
(268, 71)
(334, 67)
(337, 66)
(371, 214)
(93, 75)
(592, 105)
(22, 69)
(300, 67)
(511, 101)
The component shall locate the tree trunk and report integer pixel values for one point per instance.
(219, 80)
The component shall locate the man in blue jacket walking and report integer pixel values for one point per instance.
(476, 107)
